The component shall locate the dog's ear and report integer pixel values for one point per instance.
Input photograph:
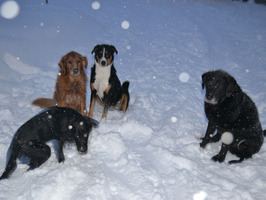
(62, 65)
(84, 62)
(114, 49)
(95, 48)
(93, 122)
(231, 85)
(204, 79)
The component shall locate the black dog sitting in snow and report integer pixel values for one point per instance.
(55, 123)
(233, 114)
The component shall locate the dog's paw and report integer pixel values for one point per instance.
(61, 159)
(218, 158)
(203, 143)
(236, 161)
(103, 120)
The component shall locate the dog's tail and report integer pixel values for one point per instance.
(125, 86)
(264, 132)
(44, 102)
(125, 96)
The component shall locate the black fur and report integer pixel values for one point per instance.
(117, 96)
(55, 123)
(229, 109)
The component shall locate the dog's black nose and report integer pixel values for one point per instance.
(103, 63)
(82, 150)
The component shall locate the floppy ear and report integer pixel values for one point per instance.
(114, 49)
(93, 122)
(84, 62)
(230, 87)
(95, 49)
(62, 65)
(204, 79)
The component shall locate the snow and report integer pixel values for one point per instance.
(9, 9)
(184, 77)
(152, 151)
(95, 5)
(227, 138)
(125, 24)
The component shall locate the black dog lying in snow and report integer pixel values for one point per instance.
(233, 114)
(55, 123)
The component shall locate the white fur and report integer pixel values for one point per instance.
(227, 138)
(102, 75)
(213, 101)
(103, 57)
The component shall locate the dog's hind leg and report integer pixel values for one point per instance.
(10, 165)
(221, 155)
(236, 161)
(38, 153)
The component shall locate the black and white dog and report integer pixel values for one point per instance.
(104, 83)
(55, 123)
(233, 115)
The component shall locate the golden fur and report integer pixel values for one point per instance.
(70, 89)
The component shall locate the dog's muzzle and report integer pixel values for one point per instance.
(212, 101)
(75, 71)
(103, 62)
(82, 150)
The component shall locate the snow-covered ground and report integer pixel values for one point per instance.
(152, 151)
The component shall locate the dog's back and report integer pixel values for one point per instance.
(56, 123)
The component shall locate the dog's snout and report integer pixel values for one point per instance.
(103, 62)
(82, 150)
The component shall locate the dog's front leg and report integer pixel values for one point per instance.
(207, 138)
(221, 155)
(106, 101)
(83, 110)
(61, 157)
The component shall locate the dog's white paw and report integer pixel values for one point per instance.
(103, 120)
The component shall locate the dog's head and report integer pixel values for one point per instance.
(73, 63)
(104, 54)
(82, 129)
(219, 86)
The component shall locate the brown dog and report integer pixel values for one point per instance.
(70, 89)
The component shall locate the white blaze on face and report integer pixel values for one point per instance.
(103, 59)
(227, 138)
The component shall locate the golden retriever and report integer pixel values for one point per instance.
(70, 89)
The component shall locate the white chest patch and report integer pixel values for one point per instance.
(102, 75)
